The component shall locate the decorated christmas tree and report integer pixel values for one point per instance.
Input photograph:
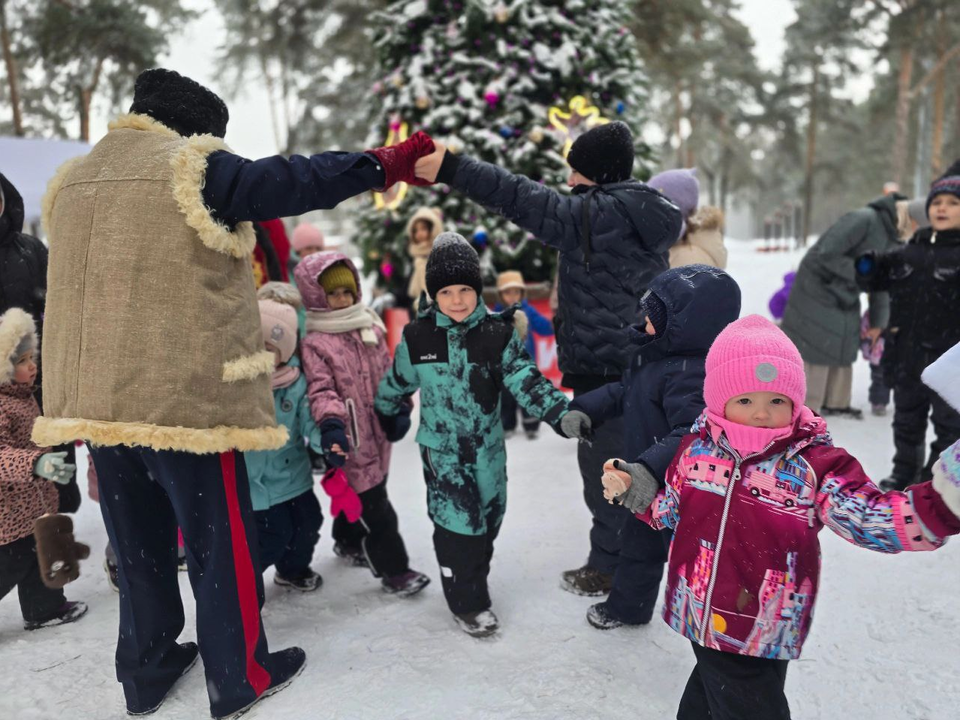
(511, 82)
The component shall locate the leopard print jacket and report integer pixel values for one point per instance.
(23, 496)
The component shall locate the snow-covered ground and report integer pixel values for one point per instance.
(884, 643)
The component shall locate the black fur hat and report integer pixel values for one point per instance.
(179, 103)
(604, 154)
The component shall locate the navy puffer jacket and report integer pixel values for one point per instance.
(661, 394)
(613, 240)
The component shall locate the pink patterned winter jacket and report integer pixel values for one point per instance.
(342, 378)
(23, 496)
(746, 552)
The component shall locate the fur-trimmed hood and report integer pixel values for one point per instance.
(307, 275)
(436, 226)
(15, 325)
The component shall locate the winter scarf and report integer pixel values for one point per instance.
(418, 275)
(284, 376)
(356, 317)
(745, 439)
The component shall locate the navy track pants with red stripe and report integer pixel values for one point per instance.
(145, 495)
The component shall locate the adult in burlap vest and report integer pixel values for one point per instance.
(155, 335)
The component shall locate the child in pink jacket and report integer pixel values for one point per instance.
(27, 477)
(344, 356)
(746, 495)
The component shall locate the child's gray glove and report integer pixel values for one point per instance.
(631, 484)
(52, 466)
(576, 424)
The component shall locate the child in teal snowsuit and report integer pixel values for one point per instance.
(460, 358)
(286, 509)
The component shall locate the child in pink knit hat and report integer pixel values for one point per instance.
(747, 494)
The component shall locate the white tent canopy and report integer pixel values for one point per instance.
(29, 163)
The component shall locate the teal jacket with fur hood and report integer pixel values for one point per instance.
(460, 370)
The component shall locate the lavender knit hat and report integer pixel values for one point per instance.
(680, 187)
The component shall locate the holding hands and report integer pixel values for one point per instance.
(334, 442)
(631, 484)
(54, 467)
(428, 166)
(398, 160)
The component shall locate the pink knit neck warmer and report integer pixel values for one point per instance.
(284, 376)
(744, 439)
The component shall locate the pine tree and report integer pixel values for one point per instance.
(482, 76)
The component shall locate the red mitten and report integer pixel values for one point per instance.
(343, 498)
(399, 160)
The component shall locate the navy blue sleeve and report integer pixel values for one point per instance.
(238, 189)
(682, 404)
(601, 404)
(553, 218)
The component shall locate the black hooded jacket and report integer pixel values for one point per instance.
(661, 393)
(613, 241)
(923, 279)
(23, 260)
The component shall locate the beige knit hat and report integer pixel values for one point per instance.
(278, 322)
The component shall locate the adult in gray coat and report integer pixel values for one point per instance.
(822, 316)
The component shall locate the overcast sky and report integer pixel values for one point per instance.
(250, 133)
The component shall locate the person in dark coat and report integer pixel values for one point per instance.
(23, 259)
(822, 316)
(659, 398)
(613, 234)
(923, 279)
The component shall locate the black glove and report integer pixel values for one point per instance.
(333, 433)
(395, 427)
(317, 463)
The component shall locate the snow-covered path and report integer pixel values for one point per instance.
(884, 642)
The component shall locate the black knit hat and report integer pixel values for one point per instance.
(656, 312)
(604, 154)
(453, 261)
(179, 103)
(946, 184)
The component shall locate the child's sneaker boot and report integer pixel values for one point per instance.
(69, 612)
(406, 584)
(308, 582)
(478, 624)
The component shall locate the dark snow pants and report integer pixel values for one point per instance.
(879, 392)
(20, 569)
(144, 495)
(607, 519)
(913, 403)
(377, 533)
(464, 567)
(288, 533)
(508, 414)
(725, 686)
(636, 583)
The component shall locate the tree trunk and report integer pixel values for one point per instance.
(86, 100)
(811, 155)
(903, 115)
(11, 62)
(678, 121)
(939, 107)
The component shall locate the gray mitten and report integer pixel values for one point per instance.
(643, 486)
(576, 424)
(54, 467)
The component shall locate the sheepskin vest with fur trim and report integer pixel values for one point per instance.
(152, 329)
